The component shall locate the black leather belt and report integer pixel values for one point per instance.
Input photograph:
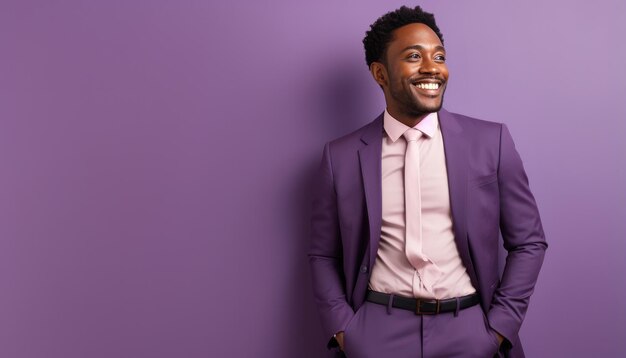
(424, 306)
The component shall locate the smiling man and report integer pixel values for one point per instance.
(408, 212)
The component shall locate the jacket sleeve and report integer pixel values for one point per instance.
(325, 253)
(524, 241)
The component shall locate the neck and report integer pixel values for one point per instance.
(410, 120)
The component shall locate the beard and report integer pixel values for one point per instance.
(411, 102)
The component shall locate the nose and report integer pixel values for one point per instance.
(429, 66)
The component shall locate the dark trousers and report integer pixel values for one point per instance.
(378, 331)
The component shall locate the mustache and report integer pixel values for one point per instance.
(417, 79)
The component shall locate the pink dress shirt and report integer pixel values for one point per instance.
(392, 272)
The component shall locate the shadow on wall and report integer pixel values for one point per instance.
(337, 102)
(342, 98)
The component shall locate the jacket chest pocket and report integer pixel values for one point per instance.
(483, 205)
(482, 180)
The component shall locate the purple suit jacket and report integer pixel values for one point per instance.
(489, 195)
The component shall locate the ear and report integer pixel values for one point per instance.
(379, 72)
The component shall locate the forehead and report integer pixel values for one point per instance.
(413, 34)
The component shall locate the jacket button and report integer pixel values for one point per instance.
(364, 269)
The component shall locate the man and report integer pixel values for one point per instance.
(407, 215)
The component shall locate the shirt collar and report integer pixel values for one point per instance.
(395, 129)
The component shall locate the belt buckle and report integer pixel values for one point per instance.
(418, 310)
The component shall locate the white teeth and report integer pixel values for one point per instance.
(430, 86)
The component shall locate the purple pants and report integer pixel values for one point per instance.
(378, 331)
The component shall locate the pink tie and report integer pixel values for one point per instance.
(427, 271)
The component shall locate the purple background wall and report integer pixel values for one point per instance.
(155, 160)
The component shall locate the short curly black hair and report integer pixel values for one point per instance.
(381, 31)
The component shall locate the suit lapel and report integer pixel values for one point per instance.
(456, 149)
(371, 172)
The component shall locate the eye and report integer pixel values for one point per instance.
(414, 56)
(440, 58)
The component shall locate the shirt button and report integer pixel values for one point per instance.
(363, 269)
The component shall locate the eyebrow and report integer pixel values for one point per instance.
(419, 47)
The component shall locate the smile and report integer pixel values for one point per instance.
(429, 86)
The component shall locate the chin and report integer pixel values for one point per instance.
(420, 108)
